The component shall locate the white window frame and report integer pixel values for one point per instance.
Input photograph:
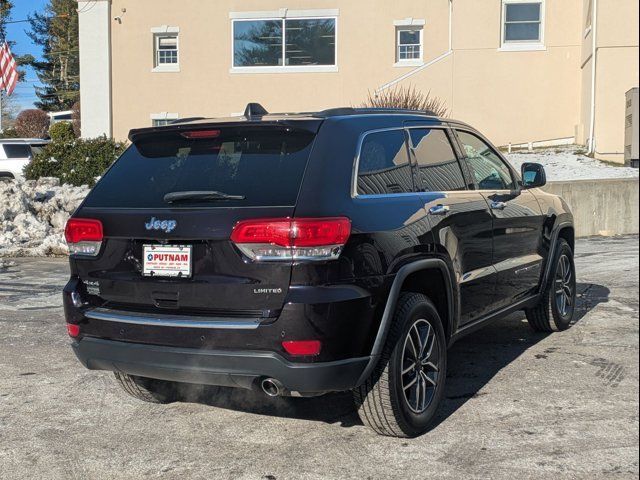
(413, 27)
(157, 32)
(522, 45)
(163, 116)
(283, 15)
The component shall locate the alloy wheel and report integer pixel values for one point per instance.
(564, 286)
(420, 366)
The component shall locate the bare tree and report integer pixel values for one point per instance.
(32, 123)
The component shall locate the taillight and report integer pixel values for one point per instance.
(302, 347)
(84, 236)
(285, 239)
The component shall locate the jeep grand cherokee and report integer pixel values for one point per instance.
(299, 254)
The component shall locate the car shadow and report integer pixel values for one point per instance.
(473, 362)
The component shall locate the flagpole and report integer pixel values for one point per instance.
(3, 40)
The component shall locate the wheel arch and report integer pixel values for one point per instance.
(432, 283)
(566, 231)
(410, 278)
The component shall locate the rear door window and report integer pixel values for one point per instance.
(438, 167)
(17, 150)
(264, 166)
(383, 164)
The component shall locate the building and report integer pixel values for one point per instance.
(542, 71)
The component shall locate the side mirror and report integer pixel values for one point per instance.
(533, 175)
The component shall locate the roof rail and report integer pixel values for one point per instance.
(185, 120)
(343, 111)
(255, 110)
(335, 112)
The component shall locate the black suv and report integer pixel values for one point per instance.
(299, 254)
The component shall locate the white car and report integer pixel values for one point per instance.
(16, 153)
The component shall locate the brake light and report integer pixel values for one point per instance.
(302, 347)
(84, 236)
(197, 134)
(286, 239)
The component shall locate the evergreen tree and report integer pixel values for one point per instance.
(56, 30)
(5, 12)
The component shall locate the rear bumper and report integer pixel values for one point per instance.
(242, 369)
(341, 317)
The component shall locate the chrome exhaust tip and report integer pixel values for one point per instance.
(272, 387)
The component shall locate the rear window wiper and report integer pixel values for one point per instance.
(200, 195)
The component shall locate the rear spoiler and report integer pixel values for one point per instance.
(307, 124)
(253, 115)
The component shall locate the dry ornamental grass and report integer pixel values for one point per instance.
(407, 98)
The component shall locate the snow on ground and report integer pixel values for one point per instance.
(568, 163)
(33, 214)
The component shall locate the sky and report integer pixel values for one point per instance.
(24, 95)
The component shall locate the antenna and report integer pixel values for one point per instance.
(255, 110)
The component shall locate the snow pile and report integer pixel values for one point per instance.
(4, 263)
(33, 214)
(568, 163)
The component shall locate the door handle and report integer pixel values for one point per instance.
(498, 205)
(440, 210)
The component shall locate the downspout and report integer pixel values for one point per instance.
(428, 64)
(594, 57)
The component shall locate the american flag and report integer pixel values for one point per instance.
(8, 72)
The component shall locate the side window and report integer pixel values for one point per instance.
(437, 163)
(487, 167)
(409, 44)
(383, 165)
(166, 50)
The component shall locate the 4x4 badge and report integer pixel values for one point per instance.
(164, 225)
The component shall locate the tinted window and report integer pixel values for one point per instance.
(522, 22)
(263, 165)
(490, 172)
(17, 150)
(261, 43)
(439, 169)
(257, 43)
(383, 165)
(310, 42)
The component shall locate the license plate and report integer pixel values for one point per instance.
(166, 260)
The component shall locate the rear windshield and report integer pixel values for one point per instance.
(256, 167)
(17, 150)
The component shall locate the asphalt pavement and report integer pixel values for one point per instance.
(518, 404)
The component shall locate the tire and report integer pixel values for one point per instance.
(381, 400)
(147, 389)
(549, 315)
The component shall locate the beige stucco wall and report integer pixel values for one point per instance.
(616, 73)
(511, 96)
(204, 85)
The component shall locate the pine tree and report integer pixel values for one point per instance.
(5, 13)
(56, 31)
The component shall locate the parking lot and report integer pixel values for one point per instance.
(518, 404)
